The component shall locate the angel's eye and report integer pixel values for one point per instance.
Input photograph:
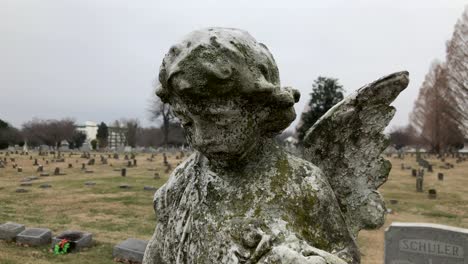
(264, 70)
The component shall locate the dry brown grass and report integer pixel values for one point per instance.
(113, 214)
(450, 207)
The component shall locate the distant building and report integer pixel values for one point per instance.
(115, 138)
(90, 129)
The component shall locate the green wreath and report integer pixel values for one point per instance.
(62, 247)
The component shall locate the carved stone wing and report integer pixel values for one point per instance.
(347, 142)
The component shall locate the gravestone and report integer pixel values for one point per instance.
(34, 237)
(57, 171)
(432, 194)
(78, 240)
(156, 176)
(40, 168)
(44, 174)
(35, 162)
(20, 169)
(440, 176)
(21, 190)
(149, 188)
(429, 168)
(129, 163)
(89, 183)
(26, 184)
(9, 231)
(134, 162)
(123, 172)
(83, 166)
(419, 243)
(419, 184)
(45, 186)
(414, 172)
(130, 250)
(125, 186)
(70, 165)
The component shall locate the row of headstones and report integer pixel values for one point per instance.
(130, 250)
(419, 174)
(27, 182)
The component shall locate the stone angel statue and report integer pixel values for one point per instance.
(240, 198)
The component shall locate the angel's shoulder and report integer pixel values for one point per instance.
(178, 179)
(302, 167)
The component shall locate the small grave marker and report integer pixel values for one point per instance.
(440, 176)
(78, 240)
(34, 237)
(9, 231)
(130, 250)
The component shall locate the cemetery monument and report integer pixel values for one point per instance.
(240, 198)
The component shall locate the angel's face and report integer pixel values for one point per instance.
(220, 128)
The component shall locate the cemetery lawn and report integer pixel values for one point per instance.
(110, 213)
(450, 207)
(114, 214)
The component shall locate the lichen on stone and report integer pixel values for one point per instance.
(241, 198)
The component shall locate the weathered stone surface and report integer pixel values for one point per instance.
(131, 249)
(78, 239)
(35, 236)
(9, 230)
(347, 142)
(419, 243)
(240, 198)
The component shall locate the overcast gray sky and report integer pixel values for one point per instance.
(97, 59)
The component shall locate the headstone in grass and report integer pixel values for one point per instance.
(45, 186)
(420, 243)
(130, 250)
(440, 176)
(34, 237)
(77, 239)
(149, 188)
(9, 231)
(21, 190)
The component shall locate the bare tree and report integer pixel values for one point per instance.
(131, 127)
(149, 137)
(404, 136)
(435, 114)
(49, 132)
(162, 112)
(457, 69)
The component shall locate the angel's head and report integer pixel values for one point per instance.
(224, 87)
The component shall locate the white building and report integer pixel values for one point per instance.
(90, 129)
(115, 138)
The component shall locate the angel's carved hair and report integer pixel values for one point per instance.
(225, 62)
